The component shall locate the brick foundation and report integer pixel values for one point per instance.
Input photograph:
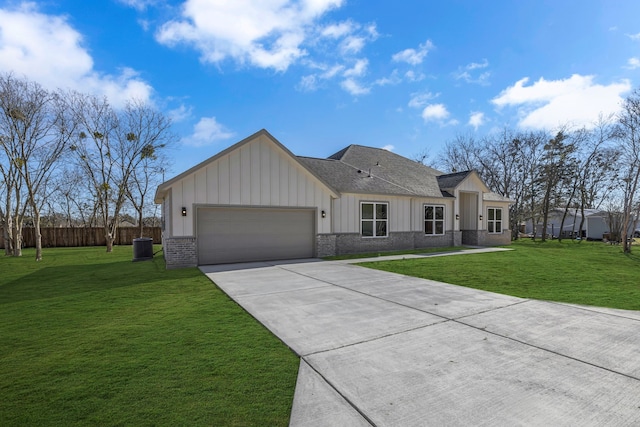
(180, 252)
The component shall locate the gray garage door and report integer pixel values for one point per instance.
(228, 235)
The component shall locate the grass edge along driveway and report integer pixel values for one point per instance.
(91, 338)
(587, 273)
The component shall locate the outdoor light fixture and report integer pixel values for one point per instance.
(480, 217)
(324, 214)
(457, 217)
(184, 211)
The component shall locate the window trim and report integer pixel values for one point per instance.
(434, 220)
(374, 219)
(495, 221)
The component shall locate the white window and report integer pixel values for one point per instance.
(494, 220)
(433, 219)
(374, 219)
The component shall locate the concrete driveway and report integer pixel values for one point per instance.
(385, 349)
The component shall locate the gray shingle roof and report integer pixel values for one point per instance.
(359, 169)
(452, 180)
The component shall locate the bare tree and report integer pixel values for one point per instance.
(36, 132)
(595, 169)
(110, 147)
(8, 175)
(152, 131)
(629, 162)
(556, 166)
(502, 168)
(461, 154)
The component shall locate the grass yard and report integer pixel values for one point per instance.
(90, 338)
(590, 273)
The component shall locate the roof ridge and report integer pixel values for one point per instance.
(340, 154)
(380, 178)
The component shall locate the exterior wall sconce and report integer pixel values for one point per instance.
(324, 214)
(457, 217)
(184, 211)
(480, 217)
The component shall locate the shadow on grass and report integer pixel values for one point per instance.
(65, 280)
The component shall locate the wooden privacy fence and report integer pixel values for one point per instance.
(82, 236)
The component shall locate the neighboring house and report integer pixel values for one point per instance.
(258, 201)
(596, 224)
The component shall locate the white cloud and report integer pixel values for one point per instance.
(340, 30)
(412, 76)
(358, 69)
(576, 101)
(633, 63)
(419, 100)
(476, 65)
(413, 56)
(352, 44)
(389, 147)
(139, 4)
(46, 49)
(466, 73)
(315, 81)
(393, 79)
(634, 36)
(332, 71)
(354, 88)
(308, 83)
(206, 132)
(267, 34)
(180, 114)
(476, 119)
(435, 112)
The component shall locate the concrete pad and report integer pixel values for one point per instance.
(402, 351)
(259, 281)
(451, 374)
(611, 342)
(437, 298)
(316, 403)
(629, 314)
(325, 318)
(464, 251)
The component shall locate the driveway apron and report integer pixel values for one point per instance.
(384, 349)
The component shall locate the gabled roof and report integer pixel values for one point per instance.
(452, 180)
(359, 169)
(165, 186)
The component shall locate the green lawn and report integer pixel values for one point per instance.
(90, 338)
(590, 273)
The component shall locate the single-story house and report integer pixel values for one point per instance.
(595, 225)
(258, 201)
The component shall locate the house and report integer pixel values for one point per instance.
(258, 201)
(595, 225)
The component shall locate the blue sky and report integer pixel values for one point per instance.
(322, 74)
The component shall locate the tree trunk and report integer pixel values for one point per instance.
(110, 235)
(8, 235)
(545, 213)
(110, 239)
(17, 237)
(38, 233)
(582, 219)
(141, 223)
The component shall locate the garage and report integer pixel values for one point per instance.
(228, 235)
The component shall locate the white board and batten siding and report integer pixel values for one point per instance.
(405, 213)
(258, 173)
(417, 217)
